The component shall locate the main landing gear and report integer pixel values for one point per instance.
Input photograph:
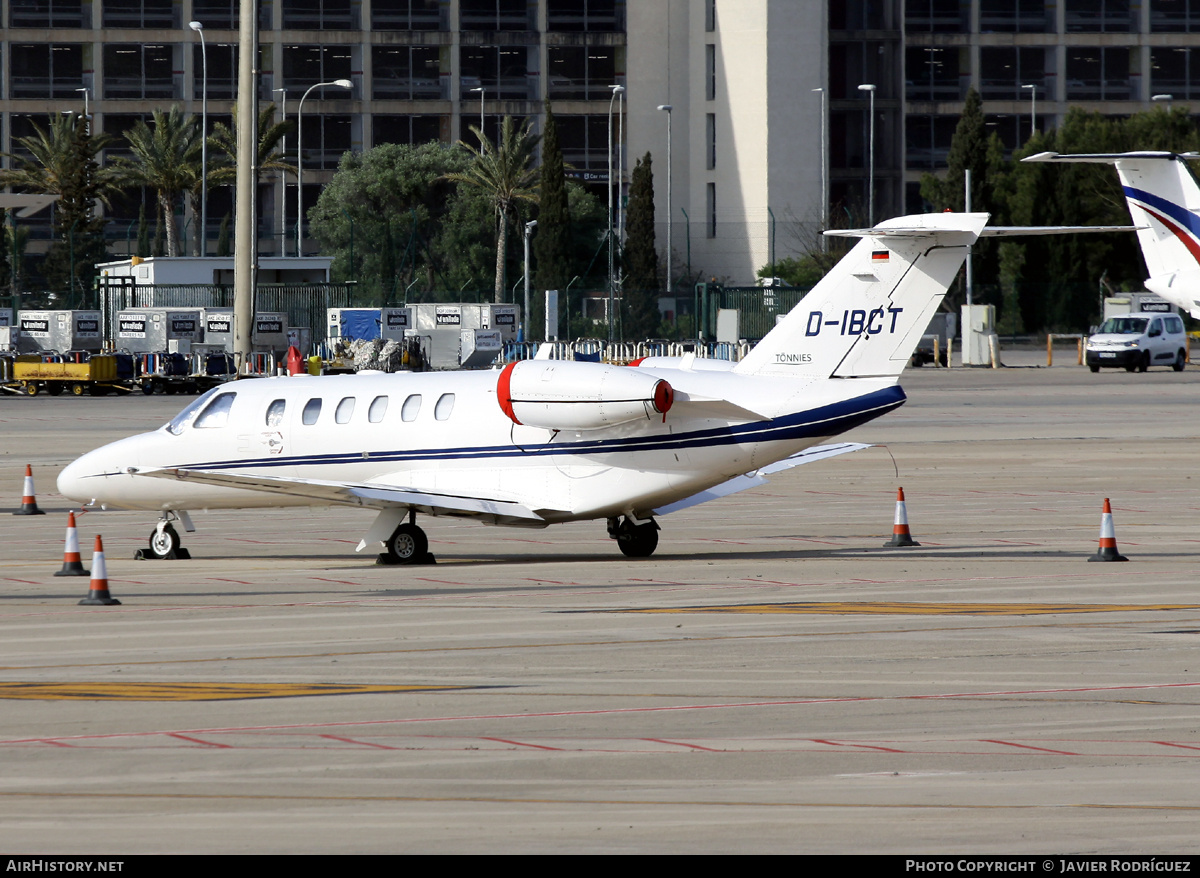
(165, 544)
(407, 545)
(635, 539)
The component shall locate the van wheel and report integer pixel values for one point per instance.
(1094, 368)
(1180, 360)
(1144, 364)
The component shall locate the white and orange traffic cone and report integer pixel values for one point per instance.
(72, 564)
(900, 533)
(28, 497)
(1108, 538)
(98, 589)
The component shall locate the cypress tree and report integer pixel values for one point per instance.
(641, 285)
(552, 243)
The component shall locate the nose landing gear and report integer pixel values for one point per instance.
(165, 544)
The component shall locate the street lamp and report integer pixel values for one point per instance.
(529, 227)
(199, 29)
(283, 181)
(1161, 98)
(870, 89)
(1032, 109)
(340, 83)
(666, 108)
(616, 90)
(824, 165)
(87, 117)
(482, 91)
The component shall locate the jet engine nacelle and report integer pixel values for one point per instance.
(564, 395)
(1181, 288)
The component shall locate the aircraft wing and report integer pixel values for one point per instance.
(758, 476)
(365, 495)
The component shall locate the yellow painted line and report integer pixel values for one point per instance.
(192, 691)
(909, 608)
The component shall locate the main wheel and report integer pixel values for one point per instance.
(637, 540)
(407, 544)
(148, 388)
(1180, 361)
(77, 389)
(1144, 363)
(30, 389)
(164, 542)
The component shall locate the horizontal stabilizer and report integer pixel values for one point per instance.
(758, 477)
(1021, 231)
(1108, 158)
(364, 495)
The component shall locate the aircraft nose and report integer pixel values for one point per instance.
(72, 480)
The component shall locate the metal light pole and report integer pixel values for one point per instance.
(199, 29)
(482, 91)
(870, 89)
(1161, 98)
(621, 168)
(283, 179)
(340, 83)
(529, 227)
(666, 108)
(87, 117)
(616, 90)
(824, 165)
(1032, 109)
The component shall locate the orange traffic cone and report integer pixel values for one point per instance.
(98, 589)
(72, 565)
(1108, 538)
(28, 498)
(900, 534)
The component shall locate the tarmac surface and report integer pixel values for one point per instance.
(771, 680)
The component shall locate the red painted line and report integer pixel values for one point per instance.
(856, 745)
(359, 743)
(521, 744)
(1173, 744)
(234, 581)
(25, 581)
(810, 540)
(338, 581)
(184, 737)
(683, 744)
(1029, 747)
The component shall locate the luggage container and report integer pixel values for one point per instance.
(148, 330)
(46, 331)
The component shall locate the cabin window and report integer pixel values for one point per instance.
(344, 410)
(312, 409)
(217, 413)
(412, 405)
(377, 410)
(445, 405)
(275, 412)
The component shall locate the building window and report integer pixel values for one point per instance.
(1174, 16)
(408, 14)
(408, 129)
(710, 140)
(503, 71)
(934, 16)
(711, 211)
(319, 14)
(41, 70)
(132, 70)
(1013, 129)
(45, 13)
(1099, 16)
(585, 15)
(1014, 16)
(927, 140)
(710, 16)
(222, 71)
(932, 74)
(140, 13)
(584, 144)
(583, 73)
(326, 138)
(1098, 74)
(1171, 72)
(710, 72)
(1004, 70)
(305, 66)
(497, 15)
(407, 73)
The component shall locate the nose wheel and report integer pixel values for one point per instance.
(164, 545)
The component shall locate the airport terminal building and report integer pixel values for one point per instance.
(747, 81)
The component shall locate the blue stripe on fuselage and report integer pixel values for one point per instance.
(828, 420)
(1177, 212)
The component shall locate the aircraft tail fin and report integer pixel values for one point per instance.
(1164, 201)
(867, 315)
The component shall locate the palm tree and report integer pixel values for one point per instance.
(167, 159)
(506, 174)
(222, 171)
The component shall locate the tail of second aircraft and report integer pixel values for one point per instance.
(866, 317)
(1164, 201)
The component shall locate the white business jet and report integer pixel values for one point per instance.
(543, 441)
(1164, 201)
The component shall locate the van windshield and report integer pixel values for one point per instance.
(1124, 326)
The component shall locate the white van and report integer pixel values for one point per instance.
(1137, 342)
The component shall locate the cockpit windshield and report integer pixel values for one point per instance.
(1124, 325)
(185, 418)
